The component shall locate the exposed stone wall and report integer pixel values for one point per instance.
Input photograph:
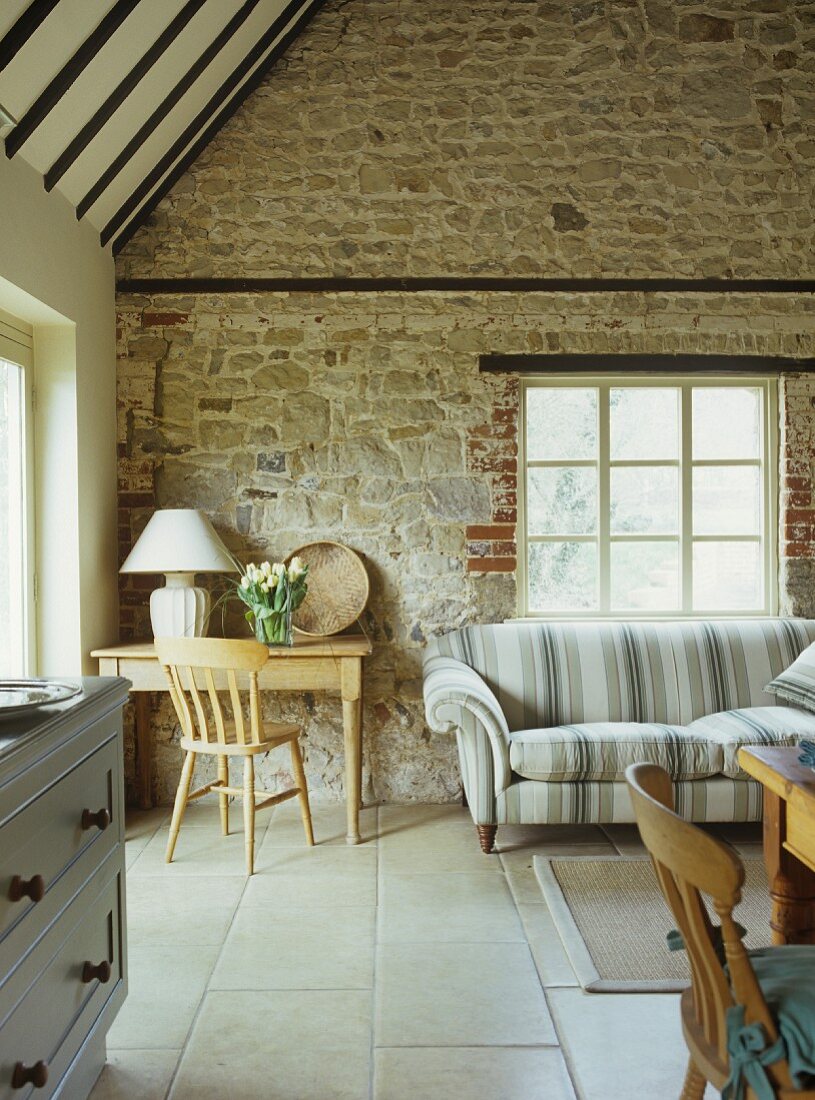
(632, 137)
(360, 418)
(653, 138)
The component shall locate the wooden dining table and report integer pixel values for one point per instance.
(331, 664)
(789, 837)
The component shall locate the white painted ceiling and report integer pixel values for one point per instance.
(56, 40)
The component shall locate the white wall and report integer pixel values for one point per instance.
(54, 274)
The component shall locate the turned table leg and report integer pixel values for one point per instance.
(486, 837)
(351, 689)
(792, 884)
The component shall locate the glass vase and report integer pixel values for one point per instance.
(276, 628)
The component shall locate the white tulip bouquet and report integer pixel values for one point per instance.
(272, 592)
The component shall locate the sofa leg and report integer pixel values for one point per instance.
(486, 837)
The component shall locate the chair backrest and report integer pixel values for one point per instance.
(688, 863)
(197, 669)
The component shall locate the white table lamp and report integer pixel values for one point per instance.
(179, 542)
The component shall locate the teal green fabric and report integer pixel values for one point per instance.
(749, 1054)
(787, 979)
(676, 941)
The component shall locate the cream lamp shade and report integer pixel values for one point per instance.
(179, 542)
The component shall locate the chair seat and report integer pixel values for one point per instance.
(276, 733)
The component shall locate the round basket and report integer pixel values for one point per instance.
(338, 588)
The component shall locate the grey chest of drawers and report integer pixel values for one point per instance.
(63, 972)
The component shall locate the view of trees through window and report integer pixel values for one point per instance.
(646, 497)
(12, 550)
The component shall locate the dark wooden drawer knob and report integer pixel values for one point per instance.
(101, 971)
(36, 1075)
(101, 819)
(33, 888)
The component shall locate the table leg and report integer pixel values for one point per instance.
(351, 690)
(144, 750)
(792, 884)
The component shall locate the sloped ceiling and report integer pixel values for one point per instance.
(113, 100)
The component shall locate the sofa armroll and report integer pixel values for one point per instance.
(458, 699)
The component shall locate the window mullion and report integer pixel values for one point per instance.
(686, 497)
(604, 495)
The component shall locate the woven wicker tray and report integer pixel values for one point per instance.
(338, 588)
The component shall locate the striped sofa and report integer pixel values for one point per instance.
(548, 715)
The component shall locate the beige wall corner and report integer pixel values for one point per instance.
(54, 274)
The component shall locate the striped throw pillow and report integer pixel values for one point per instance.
(796, 684)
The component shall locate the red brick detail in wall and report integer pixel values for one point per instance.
(797, 489)
(492, 452)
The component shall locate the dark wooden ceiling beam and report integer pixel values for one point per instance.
(195, 150)
(461, 284)
(120, 94)
(47, 100)
(267, 40)
(164, 108)
(16, 37)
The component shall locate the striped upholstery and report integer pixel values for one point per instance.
(797, 683)
(603, 750)
(753, 726)
(529, 802)
(490, 683)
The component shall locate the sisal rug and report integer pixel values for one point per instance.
(613, 920)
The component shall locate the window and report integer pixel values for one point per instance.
(16, 543)
(647, 497)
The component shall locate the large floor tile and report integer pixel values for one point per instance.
(626, 839)
(145, 1074)
(552, 841)
(331, 875)
(294, 1045)
(166, 986)
(546, 945)
(192, 911)
(463, 1073)
(437, 908)
(434, 848)
(198, 851)
(620, 1046)
(459, 995)
(328, 822)
(309, 948)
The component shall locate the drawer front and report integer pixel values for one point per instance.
(49, 1024)
(49, 850)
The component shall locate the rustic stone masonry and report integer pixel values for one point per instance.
(628, 137)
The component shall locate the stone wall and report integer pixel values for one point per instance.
(494, 138)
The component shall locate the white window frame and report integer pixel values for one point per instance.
(768, 536)
(17, 348)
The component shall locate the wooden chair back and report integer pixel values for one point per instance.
(197, 669)
(689, 863)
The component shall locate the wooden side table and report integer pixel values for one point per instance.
(789, 838)
(311, 664)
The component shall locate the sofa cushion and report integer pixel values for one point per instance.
(603, 750)
(796, 684)
(753, 726)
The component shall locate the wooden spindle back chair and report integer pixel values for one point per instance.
(689, 863)
(200, 672)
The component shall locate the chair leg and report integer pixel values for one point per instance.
(180, 806)
(300, 776)
(249, 812)
(695, 1083)
(486, 837)
(223, 777)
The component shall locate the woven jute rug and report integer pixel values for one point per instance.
(613, 920)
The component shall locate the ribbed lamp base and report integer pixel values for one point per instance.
(179, 610)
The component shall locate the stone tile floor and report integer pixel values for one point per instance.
(411, 966)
